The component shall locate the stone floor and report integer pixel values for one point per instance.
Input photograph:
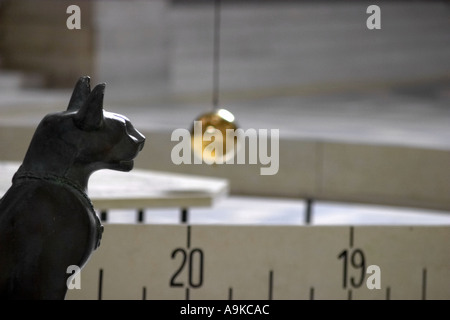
(404, 115)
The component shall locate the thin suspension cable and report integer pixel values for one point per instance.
(215, 97)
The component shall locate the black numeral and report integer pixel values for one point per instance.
(357, 262)
(173, 282)
(194, 261)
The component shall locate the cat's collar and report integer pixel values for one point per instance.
(55, 179)
(67, 183)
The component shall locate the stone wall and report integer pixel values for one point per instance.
(34, 39)
(145, 48)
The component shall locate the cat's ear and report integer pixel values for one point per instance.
(90, 115)
(80, 93)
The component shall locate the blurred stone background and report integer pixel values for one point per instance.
(363, 114)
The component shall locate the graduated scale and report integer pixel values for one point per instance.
(197, 262)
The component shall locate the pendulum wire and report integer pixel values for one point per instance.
(215, 97)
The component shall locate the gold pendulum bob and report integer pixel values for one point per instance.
(214, 137)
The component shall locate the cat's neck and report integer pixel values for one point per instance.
(78, 176)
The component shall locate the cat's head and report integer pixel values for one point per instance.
(85, 137)
(106, 138)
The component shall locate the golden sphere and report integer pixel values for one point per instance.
(213, 136)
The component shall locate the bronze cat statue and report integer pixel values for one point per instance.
(47, 221)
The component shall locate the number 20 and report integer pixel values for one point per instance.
(189, 259)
